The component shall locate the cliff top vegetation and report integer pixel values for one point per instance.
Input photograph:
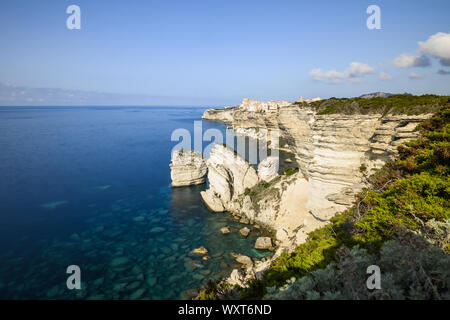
(393, 105)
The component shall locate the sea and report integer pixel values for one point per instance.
(90, 187)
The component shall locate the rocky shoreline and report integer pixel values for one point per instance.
(333, 154)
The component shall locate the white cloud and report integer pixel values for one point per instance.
(353, 73)
(438, 46)
(414, 75)
(358, 68)
(384, 76)
(331, 76)
(407, 60)
(443, 72)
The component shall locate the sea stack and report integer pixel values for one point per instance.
(188, 167)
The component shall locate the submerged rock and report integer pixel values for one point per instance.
(188, 167)
(118, 262)
(198, 276)
(263, 243)
(193, 264)
(138, 219)
(157, 230)
(234, 254)
(137, 294)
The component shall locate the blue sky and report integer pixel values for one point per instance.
(218, 52)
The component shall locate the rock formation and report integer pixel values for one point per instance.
(188, 167)
(334, 153)
(268, 168)
(263, 243)
(229, 176)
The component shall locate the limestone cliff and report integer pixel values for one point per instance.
(334, 153)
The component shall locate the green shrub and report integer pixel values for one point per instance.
(395, 104)
(290, 171)
(411, 268)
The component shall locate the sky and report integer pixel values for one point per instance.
(215, 53)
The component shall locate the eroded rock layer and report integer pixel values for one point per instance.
(188, 167)
(229, 176)
(334, 153)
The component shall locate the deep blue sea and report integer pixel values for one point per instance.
(90, 186)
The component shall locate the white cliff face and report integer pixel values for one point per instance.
(223, 115)
(334, 152)
(268, 168)
(229, 176)
(188, 167)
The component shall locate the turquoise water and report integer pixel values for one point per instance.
(90, 187)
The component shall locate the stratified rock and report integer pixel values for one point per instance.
(225, 230)
(263, 243)
(229, 175)
(151, 281)
(244, 231)
(268, 168)
(188, 167)
(334, 153)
